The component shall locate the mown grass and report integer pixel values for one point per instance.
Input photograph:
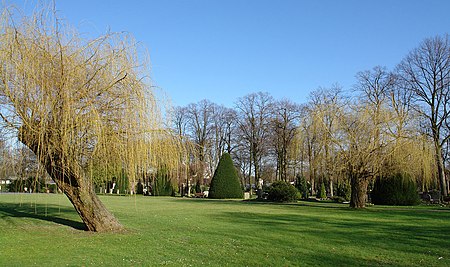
(44, 230)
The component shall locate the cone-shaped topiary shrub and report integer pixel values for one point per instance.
(225, 182)
(398, 190)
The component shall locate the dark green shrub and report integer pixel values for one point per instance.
(31, 183)
(225, 182)
(198, 188)
(344, 190)
(122, 183)
(52, 188)
(395, 190)
(322, 193)
(281, 191)
(302, 187)
(139, 188)
(338, 199)
(162, 184)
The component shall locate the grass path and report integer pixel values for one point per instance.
(44, 230)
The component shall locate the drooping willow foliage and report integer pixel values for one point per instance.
(84, 106)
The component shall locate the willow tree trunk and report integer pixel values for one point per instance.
(359, 191)
(70, 179)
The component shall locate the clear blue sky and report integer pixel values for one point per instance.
(222, 50)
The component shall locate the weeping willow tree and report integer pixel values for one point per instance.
(82, 106)
(414, 157)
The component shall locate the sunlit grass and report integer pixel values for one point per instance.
(44, 230)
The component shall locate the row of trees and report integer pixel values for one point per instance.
(391, 122)
(86, 111)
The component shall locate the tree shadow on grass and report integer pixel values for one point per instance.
(51, 213)
(399, 234)
(293, 205)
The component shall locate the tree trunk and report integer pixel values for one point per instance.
(331, 187)
(91, 210)
(313, 185)
(71, 180)
(441, 170)
(359, 192)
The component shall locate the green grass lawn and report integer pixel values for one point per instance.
(44, 230)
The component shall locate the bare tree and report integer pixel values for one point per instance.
(224, 121)
(254, 120)
(310, 136)
(180, 121)
(229, 129)
(284, 129)
(200, 124)
(426, 73)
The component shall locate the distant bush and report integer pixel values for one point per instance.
(162, 184)
(139, 188)
(322, 193)
(52, 188)
(344, 190)
(302, 187)
(338, 199)
(281, 191)
(446, 198)
(198, 188)
(225, 182)
(395, 190)
(123, 183)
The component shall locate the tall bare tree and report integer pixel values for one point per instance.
(254, 122)
(284, 129)
(426, 73)
(224, 122)
(200, 124)
(180, 121)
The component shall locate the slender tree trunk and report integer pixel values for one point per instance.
(70, 179)
(441, 170)
(256, 165)
(250, 176)
(284, 162)
(331, 187)
(278, 168)
(359, 191)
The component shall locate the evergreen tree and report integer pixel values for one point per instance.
(302, 186)
(322, 193)
(398, 189)
(225, 182)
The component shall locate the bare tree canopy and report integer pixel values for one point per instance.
(426, 74)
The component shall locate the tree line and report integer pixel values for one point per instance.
(82, 112)
(389, 122)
